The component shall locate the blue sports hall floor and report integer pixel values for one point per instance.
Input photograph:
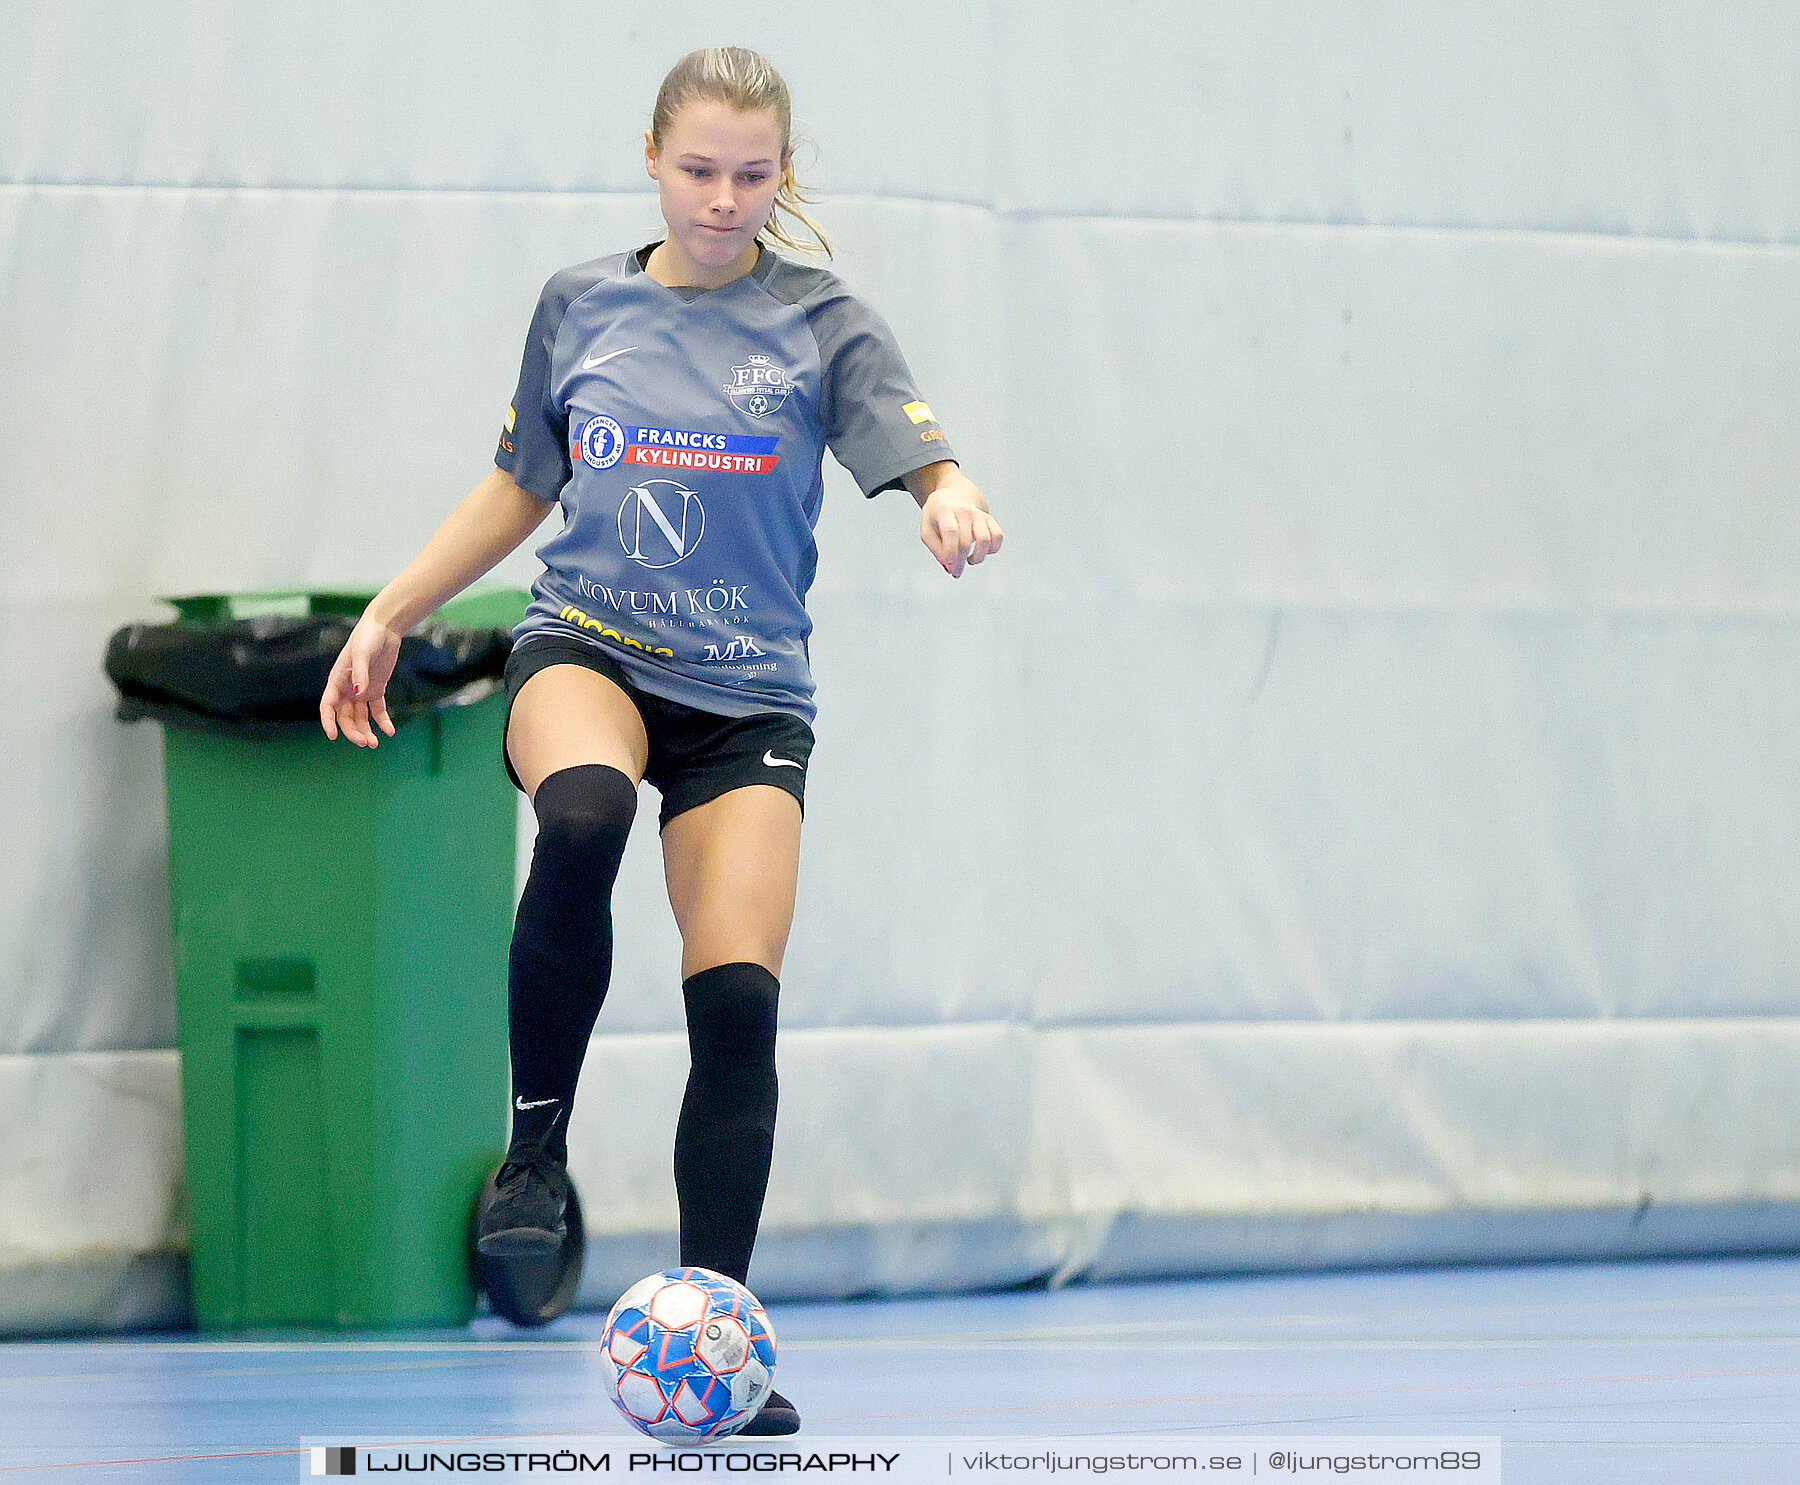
(1587, 1373)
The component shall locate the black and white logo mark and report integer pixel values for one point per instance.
(660, 522)
(758, 387)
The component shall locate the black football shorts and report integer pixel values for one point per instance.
(695, 756)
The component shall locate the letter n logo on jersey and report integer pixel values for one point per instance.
(660, 522)
(758, 387)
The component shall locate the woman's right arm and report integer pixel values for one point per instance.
(492, 520)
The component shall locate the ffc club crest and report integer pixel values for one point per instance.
(758, 387)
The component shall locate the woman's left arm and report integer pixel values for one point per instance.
(954, 522)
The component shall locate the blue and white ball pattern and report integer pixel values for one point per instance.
(691, 1355)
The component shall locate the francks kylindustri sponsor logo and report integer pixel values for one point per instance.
(685, 448)
(602, 443)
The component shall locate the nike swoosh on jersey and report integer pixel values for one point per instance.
(774, 762)
(593, 361)
(519, 1103)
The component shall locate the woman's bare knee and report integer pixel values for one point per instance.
(732, 867)
(706, 951)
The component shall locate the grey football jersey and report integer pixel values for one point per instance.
(683, 432)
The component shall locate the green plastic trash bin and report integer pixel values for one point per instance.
(341, 923)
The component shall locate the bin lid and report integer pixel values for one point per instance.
(255, 664)
(481, 606)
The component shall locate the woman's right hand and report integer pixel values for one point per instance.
(356, 694)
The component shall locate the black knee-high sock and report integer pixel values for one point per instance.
(727, 1128)
(561, 957)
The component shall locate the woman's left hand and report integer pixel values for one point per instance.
(954, 521)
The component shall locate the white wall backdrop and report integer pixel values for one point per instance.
(1356, 819)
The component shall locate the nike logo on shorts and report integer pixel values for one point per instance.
(774, 762)
(593, 361)
(521, 1105)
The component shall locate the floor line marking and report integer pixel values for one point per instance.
(1434, 1387)
(1097, 1328)
(83, 1464)
(257, 1371)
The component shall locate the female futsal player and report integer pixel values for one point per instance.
(677, 402)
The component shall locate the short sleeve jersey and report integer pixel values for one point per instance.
(684, 432)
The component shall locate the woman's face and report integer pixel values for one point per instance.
(717, 174)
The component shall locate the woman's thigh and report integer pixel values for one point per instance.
(732, 865)
(566, 715)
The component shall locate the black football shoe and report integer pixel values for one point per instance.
(776, 1415)
(526, 1219)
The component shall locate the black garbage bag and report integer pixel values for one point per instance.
(263, 677)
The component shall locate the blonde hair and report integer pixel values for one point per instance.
(747, 81)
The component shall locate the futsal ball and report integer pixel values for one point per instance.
(691, 1355)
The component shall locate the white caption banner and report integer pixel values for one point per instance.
(910, 1459)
